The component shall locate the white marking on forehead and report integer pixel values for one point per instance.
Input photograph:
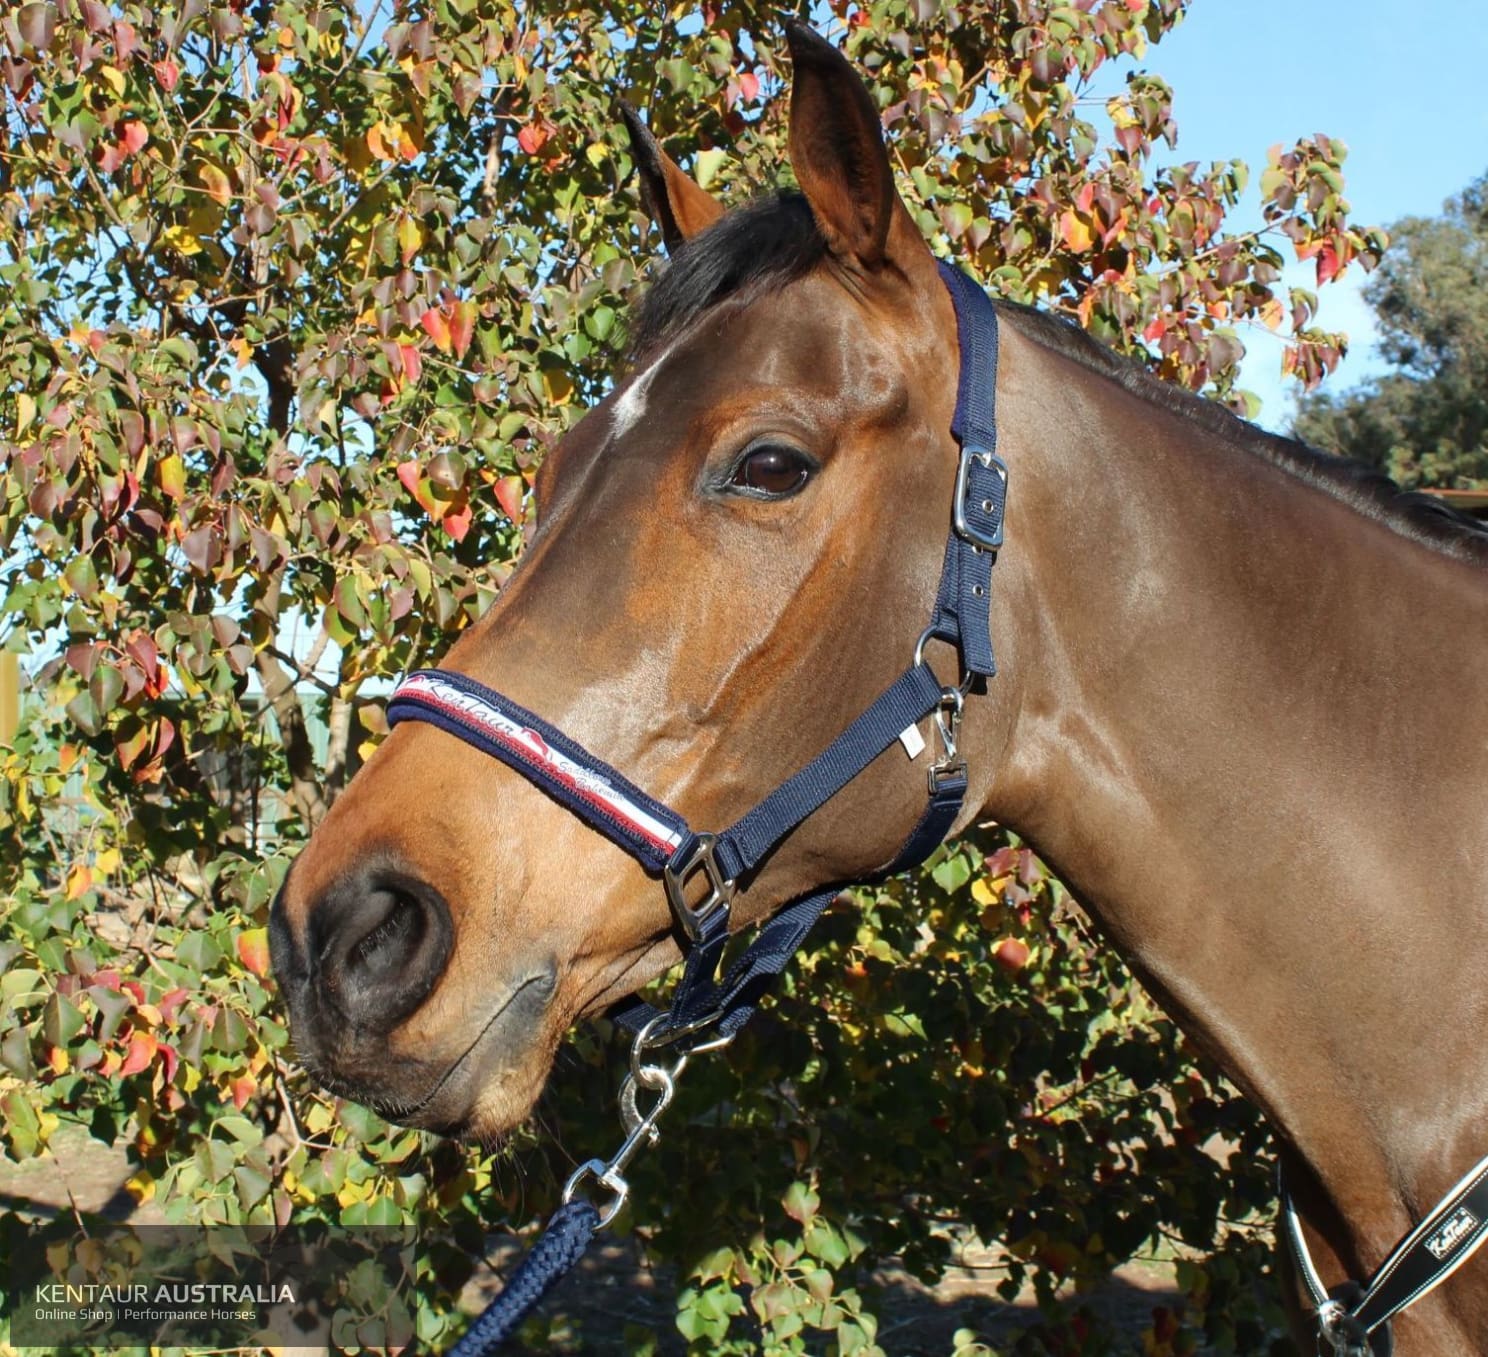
(630, 407)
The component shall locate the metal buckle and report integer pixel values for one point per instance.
(989, 541)
(948, 726)
(674, 876)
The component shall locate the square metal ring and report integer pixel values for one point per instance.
(700, 856)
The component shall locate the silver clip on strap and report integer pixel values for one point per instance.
(640, 1125)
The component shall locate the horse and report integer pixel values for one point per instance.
(1241, 706)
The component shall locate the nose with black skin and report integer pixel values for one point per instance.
(374, 946)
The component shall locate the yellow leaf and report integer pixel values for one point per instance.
(25, 413)
(171, 473)
(410, 237)
(140, 1186)
(216, 183)
(984, 892)
(79, 880)
(115, 79)
(558, 385)
(191, 1078)
(107, 862)
(178, 238)
(57, 1060)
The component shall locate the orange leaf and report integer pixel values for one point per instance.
(253, 950)
(462, 326)
(408, 473)
(1076, 234)
(376, 141)
(243, 1088)
(142, 1048)
(437, 325)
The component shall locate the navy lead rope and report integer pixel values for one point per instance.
(700, 871)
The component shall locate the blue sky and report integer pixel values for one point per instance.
(1398, 83)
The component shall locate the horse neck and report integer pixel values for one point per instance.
(1251, 733)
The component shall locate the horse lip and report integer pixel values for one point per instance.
(424, 1113)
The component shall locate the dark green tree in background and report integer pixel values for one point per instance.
(1425, 423)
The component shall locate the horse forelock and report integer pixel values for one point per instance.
(753, 250)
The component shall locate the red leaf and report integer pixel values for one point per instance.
(408, 473)
(509, 496)
(748, 85)
(457, 521)
(169, 1003)
(1328, 264)
(533, 137)
(413, 365)
(133, 137)
(1011, 954)
(169, 1060)
(167, 73)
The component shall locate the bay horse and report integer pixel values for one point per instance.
(1242, 706)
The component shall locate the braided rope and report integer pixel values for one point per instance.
(562, 1244)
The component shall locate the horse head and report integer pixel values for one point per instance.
(734, 552)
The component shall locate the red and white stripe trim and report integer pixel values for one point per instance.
(530, 746)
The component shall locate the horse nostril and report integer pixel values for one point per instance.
(381, 939)
(383, 948)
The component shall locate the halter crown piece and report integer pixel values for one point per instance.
(701, 871)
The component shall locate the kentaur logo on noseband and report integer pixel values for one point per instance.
(1446, 1239)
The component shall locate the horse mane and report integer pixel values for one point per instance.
(767, 243)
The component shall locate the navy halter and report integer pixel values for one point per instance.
(701, 871)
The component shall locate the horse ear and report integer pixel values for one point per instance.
(837, 151)
(674, 202)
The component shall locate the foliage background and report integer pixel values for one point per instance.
(296, 297)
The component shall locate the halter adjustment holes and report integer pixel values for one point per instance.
(771, 470)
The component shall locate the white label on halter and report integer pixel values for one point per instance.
(913, 741)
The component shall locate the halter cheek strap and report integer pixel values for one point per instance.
(701, 871)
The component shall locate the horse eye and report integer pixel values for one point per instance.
(772, 469)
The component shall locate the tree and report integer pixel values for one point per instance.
(296, 297)
(1426, 422)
